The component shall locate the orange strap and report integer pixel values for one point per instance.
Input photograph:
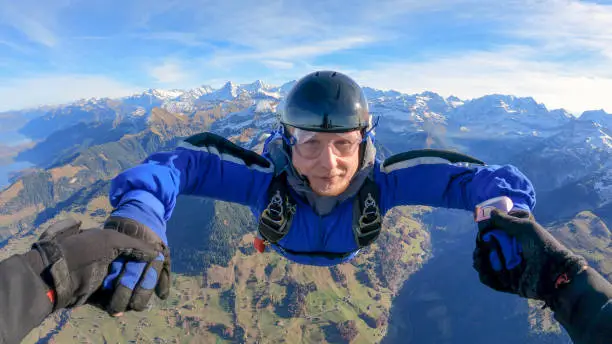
(51, 296)
(260, 245)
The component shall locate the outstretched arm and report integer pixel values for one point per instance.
(204, 165)
(454, 186)
(145, 196)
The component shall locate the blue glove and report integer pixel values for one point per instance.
(507, 248)
(129, 283)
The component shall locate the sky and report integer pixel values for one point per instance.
(557, 51)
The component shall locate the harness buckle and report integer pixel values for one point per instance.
(370, 216)
(273, 224)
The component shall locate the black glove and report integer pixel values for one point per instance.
(74, 262)
(546, 264)
(131, 284)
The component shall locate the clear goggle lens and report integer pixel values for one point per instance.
(310, 144)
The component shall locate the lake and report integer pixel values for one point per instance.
(5, 170)
(12, 138)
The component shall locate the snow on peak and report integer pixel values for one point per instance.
(373, 93)
(511, 104)
(590, 133)
(497, 106)
(257, 86)
(598, 116)
(454, 101)
(561, 114)
(259, 89)
(163, 94)
(229, 91)
(506, 107)
(198, 92)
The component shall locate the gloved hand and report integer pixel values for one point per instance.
(546, 264)
(128, 289)
(74, 262)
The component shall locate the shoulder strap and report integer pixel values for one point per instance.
(450, 156)
(224, 146)
(367, 219)
(275, 220)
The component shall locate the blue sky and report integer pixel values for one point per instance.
(557, 51)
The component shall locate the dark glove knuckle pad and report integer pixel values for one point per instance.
(133, 229)
(134, 291)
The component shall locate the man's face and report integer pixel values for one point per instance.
(328, 160)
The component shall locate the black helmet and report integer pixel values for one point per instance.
(326, 101)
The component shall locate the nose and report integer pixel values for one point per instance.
(327, 158)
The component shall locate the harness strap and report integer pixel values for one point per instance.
(329, 255)
(367, 220)
(451, 156)
(275, 220)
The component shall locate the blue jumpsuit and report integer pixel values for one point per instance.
(147, 193)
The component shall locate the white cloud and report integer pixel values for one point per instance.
(259, 27)
(277, 64)
(169, 72)
(317, 48)
(33, 29)
(36, 20)
(293, 52)
(573, 26)
(508, 71)
(58, 89)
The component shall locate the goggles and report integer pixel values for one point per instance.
(310, 145)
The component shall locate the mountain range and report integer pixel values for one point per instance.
(415, 285)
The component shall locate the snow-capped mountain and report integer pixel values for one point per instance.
(506, 116)
(229, 91)
(372, 93)
(400, 112)
(258, 116)
(483, 126)
(579, 149)
(598, 116)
